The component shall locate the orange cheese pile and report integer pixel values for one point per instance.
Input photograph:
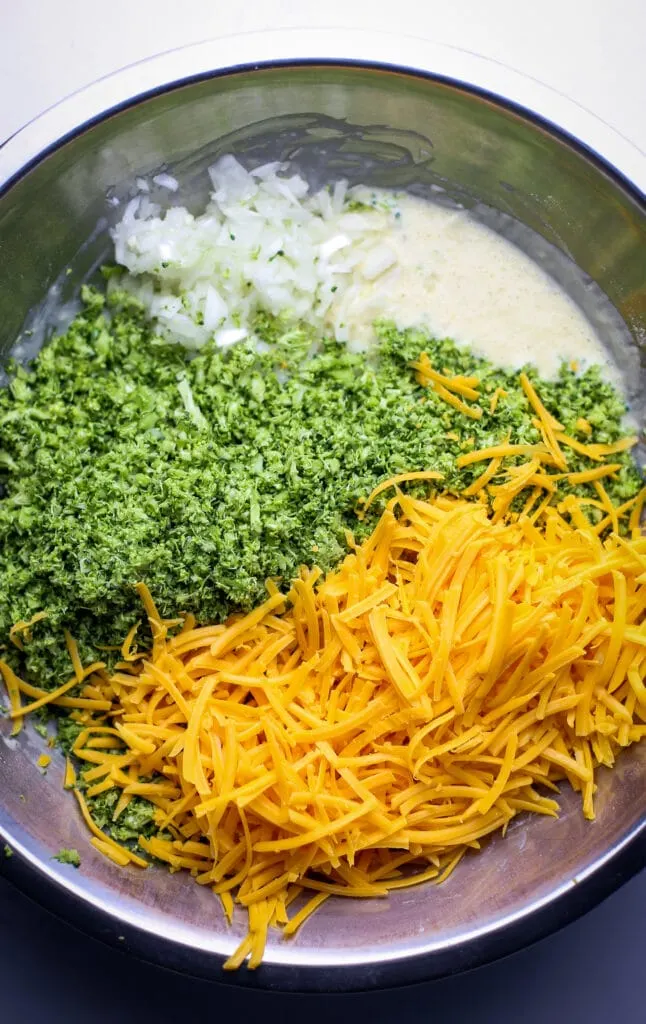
(364, 731)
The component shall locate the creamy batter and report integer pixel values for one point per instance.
(444, 271)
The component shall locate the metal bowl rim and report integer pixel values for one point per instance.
(53, 890)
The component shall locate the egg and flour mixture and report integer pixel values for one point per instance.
(458, 279)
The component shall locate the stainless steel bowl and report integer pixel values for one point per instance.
(391, 127)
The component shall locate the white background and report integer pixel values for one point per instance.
(590, 50)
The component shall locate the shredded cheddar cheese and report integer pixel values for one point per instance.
(363, 731)
(449, 388)
(22, 629)
(70, 775)
(546, 423)
(537, 472)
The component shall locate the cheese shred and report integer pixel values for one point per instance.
(363, 731)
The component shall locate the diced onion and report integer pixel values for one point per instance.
(262, 243)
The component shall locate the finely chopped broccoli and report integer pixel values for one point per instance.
(65, 856)
(136, 820)
(123, 459)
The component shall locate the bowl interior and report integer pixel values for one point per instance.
(387, 128)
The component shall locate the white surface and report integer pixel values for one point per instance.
(591, 52)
